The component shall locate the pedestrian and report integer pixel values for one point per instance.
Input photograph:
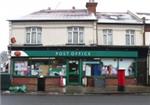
(109, 69)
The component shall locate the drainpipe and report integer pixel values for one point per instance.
(144, 31)
(96, 34)
(148, 66)
(10, 51)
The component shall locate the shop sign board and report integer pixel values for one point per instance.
(73, 53)
(82, 53)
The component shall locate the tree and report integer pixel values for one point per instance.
(3, 57)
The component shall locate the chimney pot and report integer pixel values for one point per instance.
(91, 1)
(91, 6)
(49, 8)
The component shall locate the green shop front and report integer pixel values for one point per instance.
(43, 69)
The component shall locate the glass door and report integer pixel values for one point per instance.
(73, 72)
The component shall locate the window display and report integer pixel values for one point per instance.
(109, 67)
(128, 65)
(40, 67)
(21, 68)
(57, 67)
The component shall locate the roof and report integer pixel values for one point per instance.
(118, 17)
(146, 15)
(48, 14)
(81, 14)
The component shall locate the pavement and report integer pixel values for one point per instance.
(81, 90)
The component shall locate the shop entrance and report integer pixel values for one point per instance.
(73, 72)
(41, 84)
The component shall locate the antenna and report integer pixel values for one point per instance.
(57, 5)
(91, 1)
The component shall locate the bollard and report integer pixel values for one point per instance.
(121, 80)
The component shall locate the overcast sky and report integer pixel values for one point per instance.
(16, 8)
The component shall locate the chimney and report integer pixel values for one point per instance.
(91, 6)
(73, 8)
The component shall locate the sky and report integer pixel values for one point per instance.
(17, 8)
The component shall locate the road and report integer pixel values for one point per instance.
(75, 100)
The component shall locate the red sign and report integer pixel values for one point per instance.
(17, 53)
(13, 40)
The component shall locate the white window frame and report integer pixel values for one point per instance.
(30, 39)
(130, 37)
(80, 35)
(107, 36)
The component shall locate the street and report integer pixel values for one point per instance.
(75, 100)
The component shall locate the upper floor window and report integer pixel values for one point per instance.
(33, 35)
(107, 36)
(75, 35)
(130, 37)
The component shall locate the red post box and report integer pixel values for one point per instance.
(121, 79)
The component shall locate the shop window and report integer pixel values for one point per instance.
(129, 66)
(57, 67)
(110, 66)
(50, 67)
(21, 68)
(40, 67)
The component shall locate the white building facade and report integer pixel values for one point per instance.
(76, 45)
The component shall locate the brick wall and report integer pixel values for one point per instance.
(31, 83)
(51, 82)
(111, 82)
(90, 82)
(114, 81)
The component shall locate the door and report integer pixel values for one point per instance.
(41, 84)
(73, 72)
(96, 69)
(99, 80)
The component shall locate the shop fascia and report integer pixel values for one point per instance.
(73, 53)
